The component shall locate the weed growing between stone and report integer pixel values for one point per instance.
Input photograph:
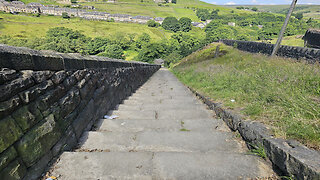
(280, 92)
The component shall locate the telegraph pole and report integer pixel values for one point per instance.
(283, 29)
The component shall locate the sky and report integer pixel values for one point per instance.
(258, 2)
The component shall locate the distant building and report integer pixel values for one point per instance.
(198, 24)
(159, 20)
(141, 19)
(312, 38)
(260, 26)
(231, 24)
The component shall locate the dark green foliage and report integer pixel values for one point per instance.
(113, 51)
(254, 9)
(174, 1)
(299, 16)
(152, 23)
(65, 15)
(185, 24)
(143, 40)
(203, 14)
(65, 40)
(97, 45)
(171, 23)
(153, 51)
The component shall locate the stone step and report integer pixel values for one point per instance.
(164, 114)
(162, 101)
(117, 125)
(180, 141)
(189, 106)
(162, 165)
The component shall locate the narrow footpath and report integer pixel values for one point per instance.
(163, 132)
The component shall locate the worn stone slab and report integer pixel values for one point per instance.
(185, 106)
(163, 114)
(181, 141)
(217, 165)
(104, 165)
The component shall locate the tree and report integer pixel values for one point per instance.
(153, 23)
(299, 16)
(174, 1)
(185, 24)
(254, 9)
(203, 14)
(65, 15)
(171, 23)
(113, 51)
(65, 40)
(152, 51)
(97, 45)
(142, 40)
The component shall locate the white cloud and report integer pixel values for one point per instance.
(254, 1)
(213, 2)
(230, 3)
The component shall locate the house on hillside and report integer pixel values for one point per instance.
(141, 19)
(159, 20)
(312, 38)
(198, 24)
(120, 17)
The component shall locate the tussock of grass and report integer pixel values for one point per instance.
(282, 93)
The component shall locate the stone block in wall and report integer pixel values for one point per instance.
(51, 97)
(15, 86)
(83, 119)
(8, 75)
(24, 118)
(7, 156)
(46, 60)
(7, 107)
(38, 141)
(36, 170)
(9, 133)
(40, 76)
(15, 58)
(69, 102)
(36, 91)
(59, 77)
(72, 61)
(16, 170)
(67, 142)
(69, 81)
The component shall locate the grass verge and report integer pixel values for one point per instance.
(280, 92)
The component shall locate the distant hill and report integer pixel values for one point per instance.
(308, 11)
(183, 8)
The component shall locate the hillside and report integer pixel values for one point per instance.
(183, 8)
(309, 11)
(279, 92)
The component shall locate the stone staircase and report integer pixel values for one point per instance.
(163, 132)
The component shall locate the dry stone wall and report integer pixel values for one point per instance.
(310, 54)
(48, 99)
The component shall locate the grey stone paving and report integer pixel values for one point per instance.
(163, 132)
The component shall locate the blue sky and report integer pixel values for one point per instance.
(257, 2)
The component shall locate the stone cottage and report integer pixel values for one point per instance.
(141, 19)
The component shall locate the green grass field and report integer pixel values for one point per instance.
(308, 11)
(279, 92)
(23, 26)
(295, 40)
(183, 8)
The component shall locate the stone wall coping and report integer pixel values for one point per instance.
(312, 55)
(21, 58)
(290, 156)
